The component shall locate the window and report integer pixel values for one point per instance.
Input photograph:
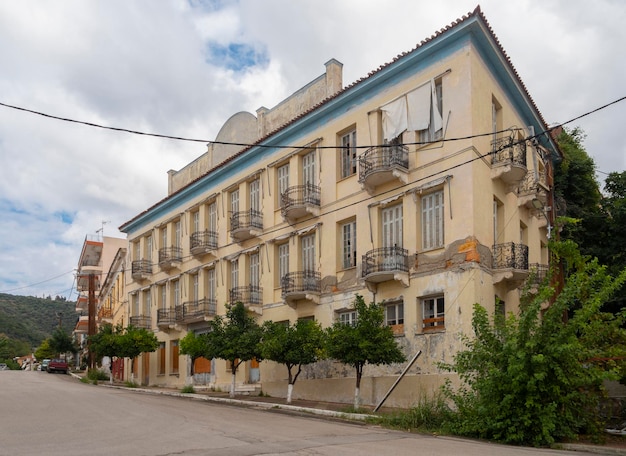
(234, 273)
(348, 154)
(136, 305)
(392, 226)
(163, 295)
(255, 195)
(195, 217)
(496, 122)
(348, 318)
(211, 284)
(161, 357)
(213, 217)
(432, 220)
(308, 253)
(234, 204)
(308, 169)
(174, 356)
(164, 237)
(255, 279)
(149, 248)
(433, 313)
(176, 293)
(177, 234)
(137, 250)
(394, 313)
(283, 179)
(348, 247)
(283, 260)
(195, 285)
(148, 301)
(434, 131)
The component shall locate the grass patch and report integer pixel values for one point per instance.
(429, 415)
(130, 384)
(188, 389)
(353, 409)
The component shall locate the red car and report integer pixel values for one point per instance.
(57, 365)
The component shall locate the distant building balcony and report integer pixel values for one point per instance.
(82, 325)
(508, 160)
(386, 263)
(301, 285)
(246, 224)
(510, 263)
(141, 269)
(170, 257)
(166, 318)
(203, 242)
(83, 281)
(141, 321)
(195, 311)
(82, 303)
(251, 296)
(382, 164)
(300, 201)
(534, 186)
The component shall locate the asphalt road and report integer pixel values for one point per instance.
(55, 414)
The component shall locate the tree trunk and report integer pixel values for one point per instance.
(289, 391)
(232, 385)
(357, 390)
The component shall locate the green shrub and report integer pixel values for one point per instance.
(97, 374)
(188, 389)
(430, 414)
(130, 384)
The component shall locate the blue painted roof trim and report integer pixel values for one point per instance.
(471, 30)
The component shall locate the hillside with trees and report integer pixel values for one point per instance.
(26, 321)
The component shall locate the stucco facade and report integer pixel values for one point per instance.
(416, 187)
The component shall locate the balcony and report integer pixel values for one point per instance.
(83, 280)
(166, 318)
(300, 201)
(105, 313)
(533, 187)
(141, 321)
(82, 325)
(508, 160)
(91, 255)
(510, 263)
(383, 164)
(537, 275)
(386, 263)
(170, 257)
(203, 242)
(195, 311)
(141, 269)
(301, 285)
(246, 224)
(82, 303)
(251, 296)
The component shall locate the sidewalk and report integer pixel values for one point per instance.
(614, 445)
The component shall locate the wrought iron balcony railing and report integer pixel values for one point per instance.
(246, 219)
(510, 256)
(507, 151)
(538, 273)
(166, 317)
(301, 282)
(196, 310)
(299, 196)
(140, 268)
(385, 259)
(249, 295)
(203, 241)
(383, 158)
(170, 255)
(141, 321)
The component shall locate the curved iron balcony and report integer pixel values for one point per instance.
(249, 295)
(382, 164)
(532, 187)
(194, 311)
(166, 318)
(141, 269)
(508, 160)
(170, 257)
(510, 263)
(202, 242)
(246, 224)
(141, 321)
(384, 263)
(299, 201)
(301, 285)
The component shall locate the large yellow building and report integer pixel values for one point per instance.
(424, 186)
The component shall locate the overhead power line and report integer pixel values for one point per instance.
(208, 141)
(35, 284)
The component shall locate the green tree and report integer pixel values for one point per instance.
(44, 351)
(195, 346)
(368, 341)
(292, 345)
(61, 342)
(106, 342)
(4, 347)
(234, 338)
(135, 341)
(535, 378)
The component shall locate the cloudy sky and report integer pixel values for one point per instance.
(183, 67)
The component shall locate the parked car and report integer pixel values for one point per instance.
(44, 365)
(3, 367)
(57, 365)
